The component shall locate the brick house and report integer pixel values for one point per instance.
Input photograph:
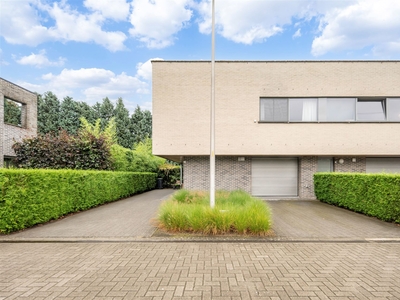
(277, 122)
(24, 124)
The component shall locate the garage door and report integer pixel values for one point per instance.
(274, 177)
(383, 164)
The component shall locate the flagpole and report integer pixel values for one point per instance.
(212, 125)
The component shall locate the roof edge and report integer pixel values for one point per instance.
(275, 61)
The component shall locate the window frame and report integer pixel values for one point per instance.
(385, 100)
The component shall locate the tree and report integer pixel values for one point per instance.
(106, 112)
(121, 114)
(70, 115)
(141, 122)
(48, 113)
(12, 112)
(87, 111)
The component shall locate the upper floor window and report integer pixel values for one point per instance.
(12, 112)
(330, 109)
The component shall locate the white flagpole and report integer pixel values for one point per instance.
(212, 127)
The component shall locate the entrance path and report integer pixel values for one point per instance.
(124, 219)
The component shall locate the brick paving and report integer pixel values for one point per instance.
(319, 252)
(200, 270)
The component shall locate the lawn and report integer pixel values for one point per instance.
(234, 212)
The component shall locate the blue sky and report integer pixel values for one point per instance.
(91, 49)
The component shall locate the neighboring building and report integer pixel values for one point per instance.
(18, 117)
(277, 122)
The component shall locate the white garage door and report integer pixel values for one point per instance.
(383, 164)
(274, 177)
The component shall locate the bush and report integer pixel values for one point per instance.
(376, 195)
(63, 151)
(170, 173)
(234, 212)
(31, 197)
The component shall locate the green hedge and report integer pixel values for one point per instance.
(376, 195)
(30, 197)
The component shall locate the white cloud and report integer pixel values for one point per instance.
(156, 22)
(366, 23)
(252, 20)
(22, 23)
(40, 60)
(117, 10)
(93, 84)
(144, 70)
(297, 34)
(73, 26)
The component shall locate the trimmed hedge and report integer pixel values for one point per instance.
(30, 197)
(376, 195)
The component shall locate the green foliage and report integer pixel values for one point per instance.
(31, 197)
(121, 115)
(12, 112)
(69, 110)
(48, 119)
(138, 160)
(63, 151)
(376, 195)
(170, 172)
(141, 125)
(106, 112)
(234, 212)
(53, 116)
(108, 133)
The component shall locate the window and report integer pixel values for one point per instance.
(336, 109)
(330, 109)
(303, 109)
(12, 112)
(371, 110)
(274, 110)
(393, 109)
(325, 164)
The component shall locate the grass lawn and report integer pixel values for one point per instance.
(234, 212)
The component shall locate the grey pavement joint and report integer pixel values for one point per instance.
(200, 271)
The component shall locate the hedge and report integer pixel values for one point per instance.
(30, 197)
(376, 195)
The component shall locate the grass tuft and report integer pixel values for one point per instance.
(234, 212)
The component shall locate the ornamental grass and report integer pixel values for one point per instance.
(235, 212)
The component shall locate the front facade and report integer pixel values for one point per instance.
(277, 123)
(18, 117)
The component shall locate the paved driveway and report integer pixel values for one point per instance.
(122, 220)
(130, 219)
(314, 220)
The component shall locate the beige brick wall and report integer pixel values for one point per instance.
(181, 115)
(11, 133)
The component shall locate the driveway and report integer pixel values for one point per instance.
(314, 220)
(131, 219)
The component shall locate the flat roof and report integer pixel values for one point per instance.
(276, 61)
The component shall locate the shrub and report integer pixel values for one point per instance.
(375, 195)
(31, 197)
(63, 151)
(138, 160)
(234, 212)
(170, 173)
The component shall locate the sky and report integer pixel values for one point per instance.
(92, 49)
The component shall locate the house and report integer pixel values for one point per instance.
(18, 118)
(277, 122)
